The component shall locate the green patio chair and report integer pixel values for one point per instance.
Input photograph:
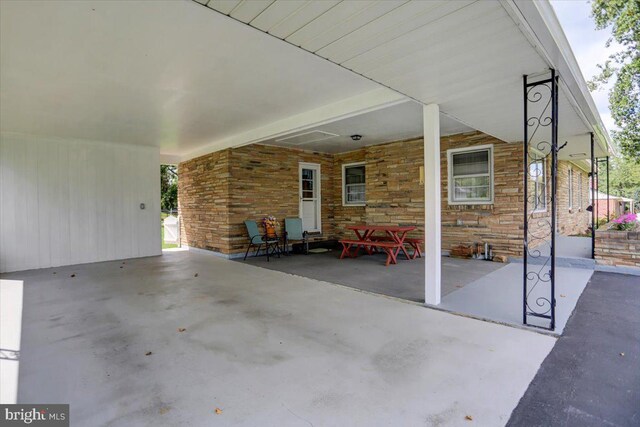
(293, 231)
(257, 239)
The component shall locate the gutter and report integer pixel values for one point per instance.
(538, 22)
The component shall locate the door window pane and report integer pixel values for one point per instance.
(308, 184)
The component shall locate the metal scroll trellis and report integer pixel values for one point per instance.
(540, 172)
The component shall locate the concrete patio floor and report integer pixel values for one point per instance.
(266, 348)
(486, 290)
(368, 272)
(498, 296)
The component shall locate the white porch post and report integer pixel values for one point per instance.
(432, 249)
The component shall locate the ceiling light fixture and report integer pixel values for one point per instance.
(578, 155)
(356, 137)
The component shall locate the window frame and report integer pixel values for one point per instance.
(450, 186)
(570, 178)
(544, 182)
(580, 198)
(344, 184)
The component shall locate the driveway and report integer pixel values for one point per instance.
(592, 376)
(264, 347)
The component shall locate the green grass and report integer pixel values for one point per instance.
(166, 245)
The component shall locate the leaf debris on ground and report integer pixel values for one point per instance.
(468, 418)
(148, 353)
(195, 275)
(218, 411)
(73, 275)
(182, 329)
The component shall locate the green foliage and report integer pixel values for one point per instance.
(625, 179)
(623, 17)
(168, 187)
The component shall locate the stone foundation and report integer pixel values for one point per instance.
(618, 248)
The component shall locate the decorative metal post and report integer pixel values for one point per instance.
(540, 149)
(597, 193)
(608, 219)
(593, 199)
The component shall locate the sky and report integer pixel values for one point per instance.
(588, 45)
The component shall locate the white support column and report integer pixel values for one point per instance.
(432, 206)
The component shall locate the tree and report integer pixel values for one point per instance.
(168, 187)
(623, 16)
(625, 178)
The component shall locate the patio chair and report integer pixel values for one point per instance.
(293, 231)
(256, 239)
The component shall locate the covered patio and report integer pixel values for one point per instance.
(335, 112)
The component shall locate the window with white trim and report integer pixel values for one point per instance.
(580, 190)
(353, 184)
(470, 175)
(538, 183)
(570, 188)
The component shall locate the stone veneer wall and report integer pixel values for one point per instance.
(393, 191)
(576, 220)
(499, 224)
(618, 248)
(264, 181)
(343, 216)
(203, 202)
(219, 191)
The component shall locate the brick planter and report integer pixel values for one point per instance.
(618, 248)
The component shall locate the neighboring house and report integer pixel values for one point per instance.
(617, 205)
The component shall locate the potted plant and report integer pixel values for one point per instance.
(270, 223)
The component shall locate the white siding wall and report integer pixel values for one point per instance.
(68, 202)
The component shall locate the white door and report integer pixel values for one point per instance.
(310, 196)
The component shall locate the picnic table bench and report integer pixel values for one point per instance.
(387, 247)
(391, 243)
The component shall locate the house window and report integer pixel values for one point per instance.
(471, 175)
(570, 188)
(538, 181)
(579, 190)
(353, 184)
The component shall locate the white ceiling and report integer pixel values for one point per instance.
(152, 73)
(395, 123)
(189, 79)
(468, 56)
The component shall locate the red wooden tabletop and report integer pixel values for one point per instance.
(392, 228)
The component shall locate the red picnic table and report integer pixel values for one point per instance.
(392, 242)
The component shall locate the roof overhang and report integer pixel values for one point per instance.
(540, 24)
